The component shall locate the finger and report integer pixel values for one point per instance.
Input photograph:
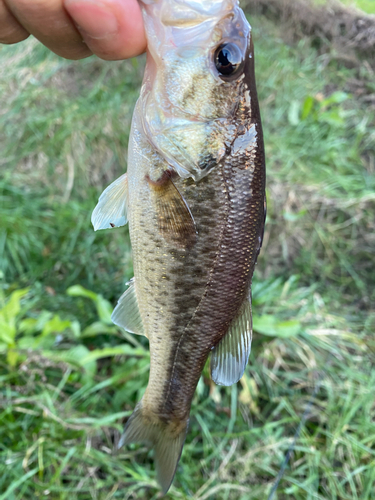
(48, 21)
(113, 29)
(10, 29)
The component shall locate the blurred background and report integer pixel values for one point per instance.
(69, 377)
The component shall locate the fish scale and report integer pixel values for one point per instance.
(194, 195)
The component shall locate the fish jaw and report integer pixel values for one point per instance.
(183, 80)
(173, 22)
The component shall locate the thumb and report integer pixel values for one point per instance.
(112, 29)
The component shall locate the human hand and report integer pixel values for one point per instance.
(74, 29)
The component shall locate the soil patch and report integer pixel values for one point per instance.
(349, 30)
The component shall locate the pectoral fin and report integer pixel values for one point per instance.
(126, 314)
(175, 220)
(112, 208)
(230, 356)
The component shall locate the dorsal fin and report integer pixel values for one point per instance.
(126, 314)
(175, 220)
(229, 358)
(112, 207)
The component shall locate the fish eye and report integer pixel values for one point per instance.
(228, 60)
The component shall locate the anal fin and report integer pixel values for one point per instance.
(126, 314)
(112, 207)
(175, 220)
(229, 358)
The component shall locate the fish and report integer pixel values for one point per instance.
(194, 197)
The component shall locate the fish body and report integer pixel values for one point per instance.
(194, 196)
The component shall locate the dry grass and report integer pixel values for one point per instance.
(348, 31)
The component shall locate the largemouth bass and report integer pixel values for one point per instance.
(194, 195)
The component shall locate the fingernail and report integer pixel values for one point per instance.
(92, 17)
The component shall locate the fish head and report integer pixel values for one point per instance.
(194, 82)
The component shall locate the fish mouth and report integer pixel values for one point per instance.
(189, 13)
(188, 25)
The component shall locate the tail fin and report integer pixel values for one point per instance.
(166, 439)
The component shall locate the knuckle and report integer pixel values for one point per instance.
(11, 31)
(74, 52)
(9, 35)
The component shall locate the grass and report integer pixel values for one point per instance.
(365, 5)
(69, 378)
